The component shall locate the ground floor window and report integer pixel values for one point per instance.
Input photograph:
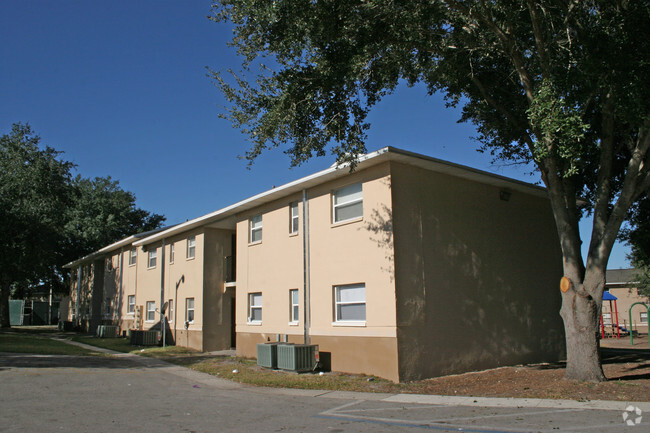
(189, 310)
(644, 317)
(350, 303)
(131, 304)
(170, 311)
(151, 311)
(295, 306)
(255, 307)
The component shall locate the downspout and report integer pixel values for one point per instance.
(76, 313)
(163, 324)
(306, 268)
(120, 296)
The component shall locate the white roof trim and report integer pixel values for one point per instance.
(384, 154)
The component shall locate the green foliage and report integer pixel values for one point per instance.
(543, 81)
(638, 237)
(103, 213)
(48, 218)
(35, 187)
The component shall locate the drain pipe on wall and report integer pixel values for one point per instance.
(120, 296)
(76, 313)
(306, 268)
(163, 322)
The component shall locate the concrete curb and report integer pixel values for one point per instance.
(424, 399)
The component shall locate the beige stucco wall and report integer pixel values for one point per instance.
(347, 253)
(477, 277)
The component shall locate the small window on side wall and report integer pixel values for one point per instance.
(294, 218)
(171, 253)
(347, 203)
(191, 247)
(256, 229)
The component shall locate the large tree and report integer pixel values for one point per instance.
(48, 218)
(560, 84)
(35, 188)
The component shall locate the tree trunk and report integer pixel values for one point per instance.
(581, 313)
(4, 307)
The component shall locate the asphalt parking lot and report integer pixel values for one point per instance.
(130, 393)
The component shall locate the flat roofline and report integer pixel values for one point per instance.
(335, 171)
(112, 247)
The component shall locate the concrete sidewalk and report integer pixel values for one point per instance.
(438, 400)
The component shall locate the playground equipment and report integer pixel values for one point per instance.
(632, 306)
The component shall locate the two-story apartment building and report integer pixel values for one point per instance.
(407, 267)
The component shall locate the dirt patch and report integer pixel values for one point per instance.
(628, 373)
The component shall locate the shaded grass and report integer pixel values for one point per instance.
(123, 345)
(25, 343)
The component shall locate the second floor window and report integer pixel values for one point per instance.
(191, 247)
(133, 256)
(171, 253)
(347, 203)
(152, 257)
(256, 229)
(294, 218)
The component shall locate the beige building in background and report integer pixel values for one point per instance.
(622, 284)
(408, 267)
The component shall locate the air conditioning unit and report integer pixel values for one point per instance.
(267, 355)
(107, 331)
(144, 338)
(297, 357)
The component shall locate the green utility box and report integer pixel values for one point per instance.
(267, 355)
(297, 357)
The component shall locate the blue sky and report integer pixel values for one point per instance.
(121, 88)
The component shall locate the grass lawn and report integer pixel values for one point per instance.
(26, 343)
(123, 345)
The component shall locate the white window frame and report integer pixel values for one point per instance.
(151, 310)
(130, 309)
(171, 253)
(152, 258)
(170, 311)
(294, 307)
(337, 304)
(345, 204)
(189, 309)
(191, 248)
(643, 317)
(294, 218)
(133, 256)
(255, 225)
(254, 307)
